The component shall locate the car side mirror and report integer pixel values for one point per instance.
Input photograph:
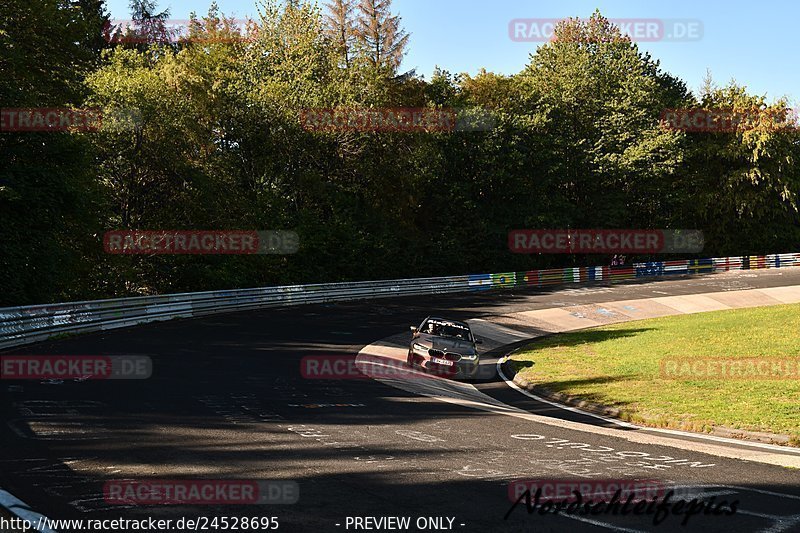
(413, 329)
(478, 341)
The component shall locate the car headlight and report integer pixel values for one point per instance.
(469, 357)
(417, 347)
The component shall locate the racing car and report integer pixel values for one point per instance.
(444, 347)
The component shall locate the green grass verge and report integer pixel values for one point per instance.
(620, 366)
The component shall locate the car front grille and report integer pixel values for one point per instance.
(450, 356)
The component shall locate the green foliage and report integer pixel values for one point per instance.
(205, 132)
(50, 204)
(743, 186)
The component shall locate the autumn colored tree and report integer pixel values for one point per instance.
(340, 26)
(206, 132)
(380, 36)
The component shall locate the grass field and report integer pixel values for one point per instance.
(621, 366)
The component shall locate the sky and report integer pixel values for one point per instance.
(753, 42)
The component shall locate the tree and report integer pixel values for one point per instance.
(340, 26)
(217, 141)
(149, 27)
(216, 28)
(49, 203)
(379, 34)
(743, 186)
(598, 100)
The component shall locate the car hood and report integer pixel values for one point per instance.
(446, 344)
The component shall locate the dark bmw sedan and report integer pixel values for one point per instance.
(445, 347)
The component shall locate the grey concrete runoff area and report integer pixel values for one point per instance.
(230, 399)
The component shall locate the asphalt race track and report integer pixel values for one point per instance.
(227, 400)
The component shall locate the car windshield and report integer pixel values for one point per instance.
(446, 330)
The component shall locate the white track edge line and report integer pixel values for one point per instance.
(725, 440)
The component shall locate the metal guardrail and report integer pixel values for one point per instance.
(23, 325)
